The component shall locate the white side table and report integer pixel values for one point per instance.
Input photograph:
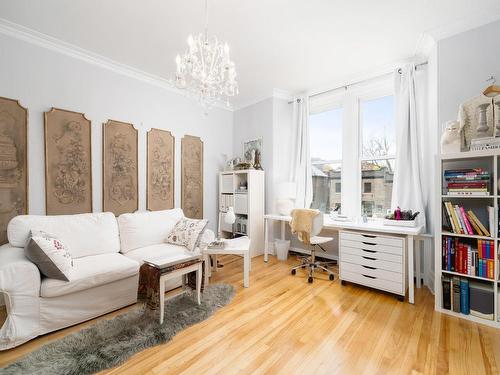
(236, 246)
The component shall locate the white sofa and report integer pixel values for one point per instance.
(107, 253)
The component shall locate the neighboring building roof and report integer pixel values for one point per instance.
(316, 172)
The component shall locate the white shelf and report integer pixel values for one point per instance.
(468, 276)
(451, 234)
(491, 159)
(460, 196)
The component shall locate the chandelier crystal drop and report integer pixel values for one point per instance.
(205, 69)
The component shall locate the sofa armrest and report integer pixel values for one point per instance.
(207, 237)
(20, 284)
(18, 275)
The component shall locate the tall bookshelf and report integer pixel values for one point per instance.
(490, 160)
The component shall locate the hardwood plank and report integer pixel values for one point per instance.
(282, 324)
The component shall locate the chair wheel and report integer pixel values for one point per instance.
(303, 266)
(331, 277)
(293, 272)
(310, 280)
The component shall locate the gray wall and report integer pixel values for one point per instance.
(465, 61)
(42, 78)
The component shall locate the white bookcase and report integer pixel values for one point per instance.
(490, 160)
(248, 203)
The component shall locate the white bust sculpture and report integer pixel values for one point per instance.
(450, 140)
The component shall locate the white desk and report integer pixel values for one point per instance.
(371, 226)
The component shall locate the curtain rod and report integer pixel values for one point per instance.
(358, 82)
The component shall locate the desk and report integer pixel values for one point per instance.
(371, 226)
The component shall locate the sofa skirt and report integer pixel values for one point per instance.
(64, 311)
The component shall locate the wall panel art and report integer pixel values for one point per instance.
(13, 162)
(160, 170)
(192, 176)
(119, 169)
(68, 166)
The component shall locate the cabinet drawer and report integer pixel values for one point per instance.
(372, 262)
(372, 239)
(370, 245)
(381, 284)
(395, 258)
(370, 272)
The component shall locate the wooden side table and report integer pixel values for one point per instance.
(153, 275)
(236, 246)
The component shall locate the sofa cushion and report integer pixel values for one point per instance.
(160, 251)
(187, 232)
(83, 234)
(89, 272)
(142, 229)
(50, 255)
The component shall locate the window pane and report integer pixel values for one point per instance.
(325, 132)
(377, 127)
(377, 177)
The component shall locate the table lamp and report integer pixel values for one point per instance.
(286, 194)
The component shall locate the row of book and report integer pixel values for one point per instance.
(458, 220)
(468, 297)
(461, 257)
(467, 181)
(456, 294)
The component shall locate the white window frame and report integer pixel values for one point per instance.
(349, 100)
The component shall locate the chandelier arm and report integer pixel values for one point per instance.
(206, 20)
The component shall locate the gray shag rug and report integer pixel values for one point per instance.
(111, 342)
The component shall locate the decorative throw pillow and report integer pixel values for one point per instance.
(187, 232)
(50, 255)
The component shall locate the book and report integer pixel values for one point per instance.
(464, 296)
(466, 221)
(473, 216)
(445, 281)
(456, 293)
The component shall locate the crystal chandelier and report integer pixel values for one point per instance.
(205, 69)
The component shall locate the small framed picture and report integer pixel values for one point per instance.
(252, 148)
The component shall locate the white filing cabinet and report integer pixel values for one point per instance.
(374, 260)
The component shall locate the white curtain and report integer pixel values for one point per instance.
(300, 171)
(407, 189)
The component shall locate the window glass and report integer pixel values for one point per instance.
(378, 155)
(325, 133)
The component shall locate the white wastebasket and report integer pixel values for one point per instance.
(282, 247)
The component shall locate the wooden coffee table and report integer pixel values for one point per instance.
(154, 273)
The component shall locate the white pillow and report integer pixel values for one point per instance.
(187, 232)
(50, 255)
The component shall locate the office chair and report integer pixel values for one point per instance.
(315, 241)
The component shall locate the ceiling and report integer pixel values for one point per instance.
(287, 44)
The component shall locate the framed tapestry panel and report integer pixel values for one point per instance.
(119, 167)
(160, 170)
(13, 162)
(68, 163)
(192, 176)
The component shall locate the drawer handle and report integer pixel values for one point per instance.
(369, 251)
(370, 268)
(369, 243)
(369, 258)
(369, 236)
(370, 277)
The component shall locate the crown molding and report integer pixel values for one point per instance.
(48, 42)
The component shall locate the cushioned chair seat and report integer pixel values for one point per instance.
(317, 240)
(166, 250)
(90, 272)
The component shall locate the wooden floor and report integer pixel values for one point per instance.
(282, 324)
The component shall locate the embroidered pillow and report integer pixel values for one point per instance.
(50, 255)
(187, 232)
